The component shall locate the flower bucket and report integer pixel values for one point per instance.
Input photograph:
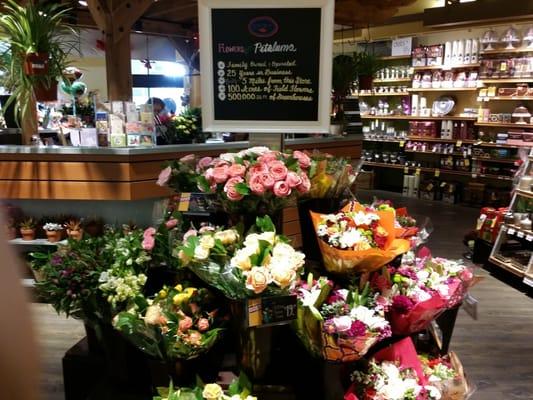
(36, 64)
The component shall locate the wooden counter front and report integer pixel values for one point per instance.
(116, 174)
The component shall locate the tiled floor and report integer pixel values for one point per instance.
(496, 349)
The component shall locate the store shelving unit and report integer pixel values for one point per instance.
(417, 118)
(504, 125)
(393, 58)
(453, 89)
(507, 80)
(521, 239)
(505, 98)
(383, 94)
(395, 80)
(446, 67)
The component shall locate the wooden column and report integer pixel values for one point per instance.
(115, 18)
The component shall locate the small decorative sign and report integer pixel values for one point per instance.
(275, 310)
(402, 46)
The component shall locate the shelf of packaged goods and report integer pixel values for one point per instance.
(524, 193)
(390, 58)
(507, 266)
(519, 232)
(501, 145)
(505, 51)
(415, 118)
(35, 242)
(496, 160)
(507, 80)
(384, 140)
(428, 139)
(446, 67)
(442, 171)
(392, 80)
(383, 94)
(505, 98)
(452, 89)
(435, 153)
(504, 125)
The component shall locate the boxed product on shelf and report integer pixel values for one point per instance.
(428, 189)
(419, 56)
(423, 128)
(450, 192)
(435, 54)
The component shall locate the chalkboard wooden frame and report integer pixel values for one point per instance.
(321, 123)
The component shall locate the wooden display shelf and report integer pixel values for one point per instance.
(501, 146)
(35, 242)
(496, 160)
(426, 139)
(416, 118)
(392, 80)
(391, 58)
(504, 125)
(383, 94)
(526, 232)
(507, 266)
(457, 154)
(385, 140)
(446, 67)
(507, 80)
(453, 89)
(524, 193)
(505, 51)
(506, 98)
(442, 171)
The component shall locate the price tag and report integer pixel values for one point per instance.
(466, 162)
(511, 231)
(406, 170)
(184, 202)
(529, 238)
(417, 172)
(275, 310)
(437, 173)
(459, 143)
(520, 234)
(528, 282)
(402, 143)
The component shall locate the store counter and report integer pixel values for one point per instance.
(85, 173)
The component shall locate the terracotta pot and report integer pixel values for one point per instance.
(27, 234)
(365, 82)
(76, 234)
(43, 93)
(36, 64)
(54, 236)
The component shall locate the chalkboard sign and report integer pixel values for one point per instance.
(266, 66)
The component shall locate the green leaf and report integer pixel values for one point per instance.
(244, 382)
(242, 188)
(265, 224)
(238, 160)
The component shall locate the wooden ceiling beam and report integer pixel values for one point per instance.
(125, 14)
(162, 8)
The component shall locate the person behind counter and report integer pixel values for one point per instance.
(160, 112)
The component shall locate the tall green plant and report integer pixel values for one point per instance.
(343, 75)
(34, 28)
(366, 64)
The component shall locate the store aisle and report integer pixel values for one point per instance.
(496, 349)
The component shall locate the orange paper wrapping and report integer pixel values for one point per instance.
(349, 261)
(346, 350)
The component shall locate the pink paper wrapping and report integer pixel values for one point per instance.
(419, 317)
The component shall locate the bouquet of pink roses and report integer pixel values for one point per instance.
(257, 179)
(338, 325)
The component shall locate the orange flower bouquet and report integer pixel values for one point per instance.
(357, 239)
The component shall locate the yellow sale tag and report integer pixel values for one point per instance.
(467, 162)
(406, 170)
(254, 312)
(185, 199)
(417, 171)
(437, 173)
(402, 143)
(459, 143)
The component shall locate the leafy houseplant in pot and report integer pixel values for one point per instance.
(343, 76)
(54, 231)
(366, 66)
(27, 229)
(74, 229)
(39, 43)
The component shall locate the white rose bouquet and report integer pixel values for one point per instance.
(260, 263)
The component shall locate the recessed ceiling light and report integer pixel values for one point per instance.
(82, 3)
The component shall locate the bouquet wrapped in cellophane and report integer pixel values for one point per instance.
(447, 375)
(178, 323)
(260, 263)
(420, 289)
(357, 239)
(330, 176)
(338, 325)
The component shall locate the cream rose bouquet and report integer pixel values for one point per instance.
(261, 263)
(239, 389)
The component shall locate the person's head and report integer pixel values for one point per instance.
(157, 104)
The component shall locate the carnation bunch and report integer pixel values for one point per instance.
(261, 262)
(179, 322)
(358, 230)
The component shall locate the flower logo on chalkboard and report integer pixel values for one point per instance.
(263, 27)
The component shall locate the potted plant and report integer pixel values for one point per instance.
(54, 231)
(40, 42)
(93, 226)
(74, 229)
(343, 76)
(27, 229)
(366, 66)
